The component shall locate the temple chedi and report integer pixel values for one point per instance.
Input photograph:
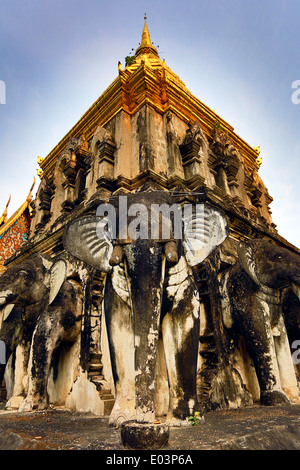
(147, 134)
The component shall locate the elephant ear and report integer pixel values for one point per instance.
(247, 260)
(87, 240)
(204, 229)
(58, 274)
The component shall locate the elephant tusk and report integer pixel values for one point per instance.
(2, 300)
(7, 311)
(296, 289)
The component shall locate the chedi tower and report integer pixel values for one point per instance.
(138, 329)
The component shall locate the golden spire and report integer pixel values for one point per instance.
(146, 47)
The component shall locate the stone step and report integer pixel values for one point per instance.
(95, 366)
(209, 354)
(103, 392)
(97, 379)
(96, 357)
(96, 376)
(100, 387)
(108, 406)
(107, 397)
(207, 338)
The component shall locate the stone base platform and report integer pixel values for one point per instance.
(253, 428)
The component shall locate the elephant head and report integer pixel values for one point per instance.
(35, 281)
(149, 281)
(270, 265)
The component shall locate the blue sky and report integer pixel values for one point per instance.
(239, 57)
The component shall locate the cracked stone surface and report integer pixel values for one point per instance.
(253, 428)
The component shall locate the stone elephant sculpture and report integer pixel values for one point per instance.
(150, 284)
(252, 296)
(41, 310)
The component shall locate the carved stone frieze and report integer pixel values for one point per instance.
(225, 154)
(101, 159)
(43, 206)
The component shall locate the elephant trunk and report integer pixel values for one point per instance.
(145, 268)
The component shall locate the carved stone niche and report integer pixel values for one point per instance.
(75, 182)
(191, 151)
(43, 203)
(106, 156)
(70, 174)
(259, 197)
(80, 189)
(231, 169)
(82, 152)
(102, 157)
(256, 198)
(225, 162)
(248, 181)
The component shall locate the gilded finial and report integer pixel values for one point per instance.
(258, 162)
(146, 46)
(3, 217)
(7, 204)
(28, 199)
(40, 172)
